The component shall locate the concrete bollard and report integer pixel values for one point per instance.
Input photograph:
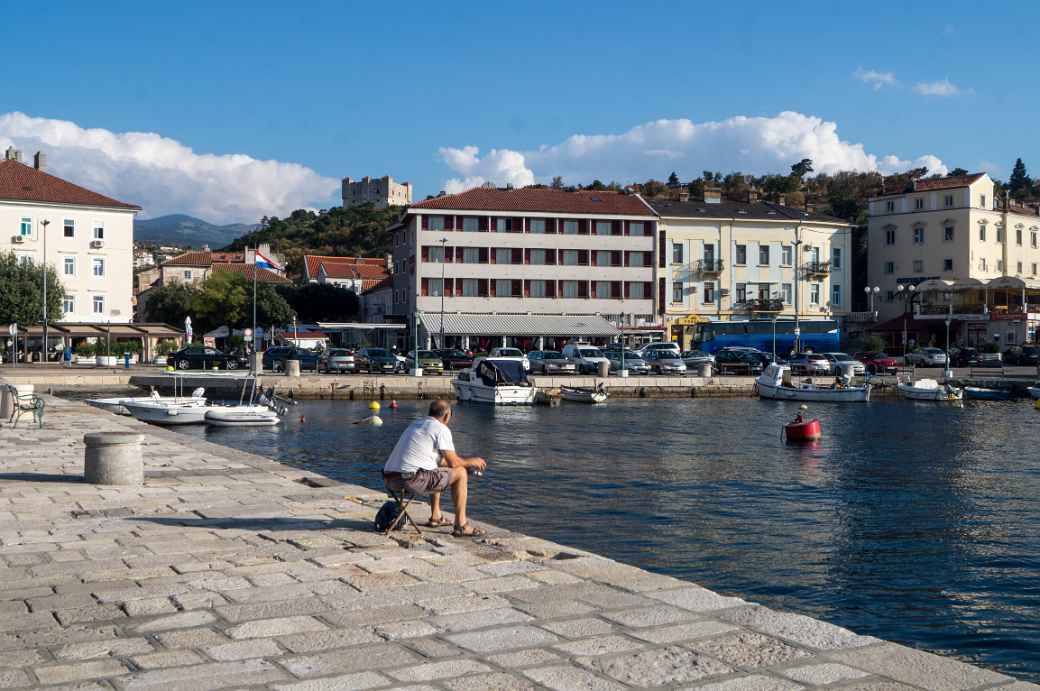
(604, 369)
(704, 369)
(113, 458)
(258, 362)
(292, 368)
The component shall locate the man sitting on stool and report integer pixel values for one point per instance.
(414, 463)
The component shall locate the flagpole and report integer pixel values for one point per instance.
(254, 311)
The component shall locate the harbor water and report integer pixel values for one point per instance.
(914, 522)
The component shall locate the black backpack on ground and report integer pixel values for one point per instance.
(388, 513)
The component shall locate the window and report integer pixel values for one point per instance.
(890, 236)
(918, 266)
(570, 228)
(835, 295)
(890, 267)
(788, 293)
(677, 253)
(569, 289)
(947, 265)
(570, 258)
(504, 255)
(470, 288)
(709, 293)
(503, 287)
(602, 289)
(25, 228)
(637, 228)
(436, 254)
(919, 203)
(68, 304)
(948, 200)
(890, 206)
(890, 296)
(99, 267)
(537, 256)
(537, 288)
(99, 304)
(1019, 269)
(1000, 234)
(741, 293)
(470, 224)
(435, 223)
(1018, 236)
(603, 257)
(70, 228)
(786, 255)
(836, 257)
(637, 291)
(1034, 269)
(814, 293)
(471, 255)
(982, 233)
(70, 266)
(982, 264)
(638, 259)
(982, 201)
(536, 225)
(434, 287)
(741, 255)
(1000, 265)
(503, 225)
(763, 255)
(948, 234)
(677, 291)
(918, 236)
(1032, 239)
(604, 227)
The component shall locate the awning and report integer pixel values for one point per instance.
(518, 324)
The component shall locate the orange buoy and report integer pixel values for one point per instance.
(393, 405)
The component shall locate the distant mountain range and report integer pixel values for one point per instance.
(187, 231)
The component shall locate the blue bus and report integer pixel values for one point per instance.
(819, 335)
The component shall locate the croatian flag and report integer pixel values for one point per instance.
(262, 262)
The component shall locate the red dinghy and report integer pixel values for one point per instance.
(806, 430)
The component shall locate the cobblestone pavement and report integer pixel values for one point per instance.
(228, 570)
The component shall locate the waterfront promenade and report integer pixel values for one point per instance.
(231, 570)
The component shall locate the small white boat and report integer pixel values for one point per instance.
(169, 413)
(929, 390)
(241, 416)
(498, 381)
(580, 395)
(776, 382)
(117, 405)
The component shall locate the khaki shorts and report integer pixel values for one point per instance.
(422, 482)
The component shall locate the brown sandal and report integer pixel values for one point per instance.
(439, 523)
(460, 531)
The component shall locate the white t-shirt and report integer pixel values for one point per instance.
(420, 447)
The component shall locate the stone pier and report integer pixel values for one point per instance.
(228, 570)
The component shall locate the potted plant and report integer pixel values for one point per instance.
(84, 353)
(103, 352)
(163, 348)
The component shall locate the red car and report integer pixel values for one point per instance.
(877, 363)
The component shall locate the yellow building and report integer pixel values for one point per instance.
(738, 261)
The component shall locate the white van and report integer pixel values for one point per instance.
(586, 358)
(658, 345)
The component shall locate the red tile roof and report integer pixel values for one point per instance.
(19, 182)
(191, 259)
(947, 183)
(386, 284)
(265, 275)
(539, 199)
(344, 267)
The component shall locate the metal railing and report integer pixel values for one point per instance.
(709, 266)
(761, 305)
(817, 268)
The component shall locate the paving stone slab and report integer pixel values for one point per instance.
(344, 682)
(600, 645)
(754, 682)
(167, 658)
(569, 678)
(79, 671)
(244, 650)
(747, 649)
(120, 647)
(642, 617)
(182, 620)
(284, 626)
(534, 657)
(820, 674)
(327, 640)
(214, 675)
(682, 632)
(579, 628)
(494, 681)
(796, 627)
(444, 669)
(371, 657)
(658, 667)
(696, 599)
(494, 640)
(478, 620)
(917, 668)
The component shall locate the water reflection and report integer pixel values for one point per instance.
(910, 521)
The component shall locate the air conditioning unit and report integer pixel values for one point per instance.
(96, 244)
(17, 239)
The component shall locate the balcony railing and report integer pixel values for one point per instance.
(761, 305)
(861, 317)
(817, 268)
(709, 266)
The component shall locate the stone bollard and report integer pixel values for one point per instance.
(704, 369)
(604, 369)
(258, 362)
(113, 458)
(292, 368)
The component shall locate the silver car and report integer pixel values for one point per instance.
(337, 360)
(927, 357)
(841, 360)
(634, 363)
(550, 362)
(665, 362)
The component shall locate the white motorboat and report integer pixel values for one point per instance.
(929, 390)
(498, 381)
(160, 412)
(580, 395)
(116, 404)
(241, 416)
(776, 382)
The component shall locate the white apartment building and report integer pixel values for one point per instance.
(382, 192)
(88, 237)
(531, 267)
(722, 261)
(965, 253)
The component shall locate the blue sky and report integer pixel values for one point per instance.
(401, 88)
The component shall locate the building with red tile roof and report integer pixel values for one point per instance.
(356, 273)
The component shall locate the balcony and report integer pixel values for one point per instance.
(964, 312)
(861, 317)
(761, 306)
(709, 267)
(817, 268)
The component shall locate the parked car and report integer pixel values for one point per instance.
(633, 362)
(664, 361)
(585, 357)
(1022, 355)
(877, 362)
(990, 360)
(839, 360)
(453, 358)
(737, 361)
(659, 345)
(512, 354)
(964, 357)
(378, 360)
(276, 357)
(550, 362)
(202, 357)
(429, 361)
(927, 357)
(811, 364)
(696, 358)
(337, 360)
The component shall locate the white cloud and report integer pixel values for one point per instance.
(943, 87)
(877, 80)
(994, 169)
(747, 144)
(164, 176)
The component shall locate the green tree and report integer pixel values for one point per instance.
(321, 302)
(802, 168)
(673, 180)
(597, 186)
(227, 299)
(21, 291)
(557, 183)
(959, 171)
(1019, 185)
(169, 304)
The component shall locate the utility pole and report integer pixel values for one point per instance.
(797, 289)
(444, 260)
(45, 223)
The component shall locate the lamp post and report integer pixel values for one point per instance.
(774, 338)
(947, 370)
(909, 292)
(44, 223)
(797, 290)
(444, 260)
(871, 292)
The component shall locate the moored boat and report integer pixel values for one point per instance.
(929, 390)
(117, 404)
(498, 381)
(169, 413)
(776, 382)
(241, 416)
(982, 393)
(583, 395)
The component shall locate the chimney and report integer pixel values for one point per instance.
(13, 154)
(752, 195)
(39, 160)
(712, 195)
(781, 199)
(684, 195)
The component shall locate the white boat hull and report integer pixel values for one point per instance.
(168, 414)
(578, 396)
(241, 416)
(118, 405)
(852, 394)
(476, 392)
(918, 393)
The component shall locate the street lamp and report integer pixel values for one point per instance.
(948, 371)
(45, 223)
(444, 260)
(871, 292)
(908, 292)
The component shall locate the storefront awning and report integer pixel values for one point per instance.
(518, 324)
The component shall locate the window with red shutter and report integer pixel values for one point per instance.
(648, 289)
(484, 255)
(627, 289)
(662, 250)
(425, 286)
(484, 287)
(483, 225)
(583, 289)
(518, 225)
(527, 289)
(518, 288)
(518, 255)
(615, 258)
(550, 225)
(425, 222)
(550, 289)
(583, 227)
(449, 223)
(661, 294)
(550, 257)
(583, 257)
(627, 230)
(425, 252)
(527, 256)
(615, 228)
(648, 259)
